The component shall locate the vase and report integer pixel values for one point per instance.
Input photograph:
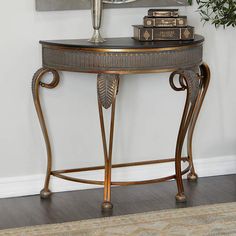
(96, 10)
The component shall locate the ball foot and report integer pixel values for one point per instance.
(180, 197)
(192, 177)
(107, 206)
(45, 194)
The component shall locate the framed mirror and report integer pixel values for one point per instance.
(58, 5)
(118, 1)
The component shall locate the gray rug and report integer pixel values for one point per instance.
(209, 220)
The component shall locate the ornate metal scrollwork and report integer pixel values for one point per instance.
(36, 83)
(189, 80)
(38, 76)
(204, 77)
(196, 85)
(107, 88)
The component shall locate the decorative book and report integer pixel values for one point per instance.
(163, 12)
(142, 33)
(163, 24)
(181, 21)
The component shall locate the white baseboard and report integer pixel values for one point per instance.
(30, 185)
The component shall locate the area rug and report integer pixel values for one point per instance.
(207, 220)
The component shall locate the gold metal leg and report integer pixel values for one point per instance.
(36, 83)
(188, 80)
(204, 83)
(107, 88)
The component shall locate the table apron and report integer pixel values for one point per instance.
(122, 62)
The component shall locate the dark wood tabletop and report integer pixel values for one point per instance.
(121, 43)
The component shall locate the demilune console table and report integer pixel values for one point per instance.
(126, 56)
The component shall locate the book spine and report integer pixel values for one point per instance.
(166, 13)
(165, 22)
(156, 34)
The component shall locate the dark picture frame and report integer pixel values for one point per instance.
(59, 5)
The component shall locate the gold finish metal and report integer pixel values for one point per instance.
(195, 82)
(123, 72)
(180, 198)
(108, 89)
(45, 193)
(36, 83)
(102, 60)
(193, 177)
(107, 206)
(128, 50)
(204, 78)
(141, 163)
(196, 86)
(188, 80)
(61, 173)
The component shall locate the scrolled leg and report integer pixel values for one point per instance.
(204, 77)
(188, 80)
(36, 84)
(107, 89)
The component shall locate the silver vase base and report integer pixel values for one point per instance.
(97, 38)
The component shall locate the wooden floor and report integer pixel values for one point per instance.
(78, 205)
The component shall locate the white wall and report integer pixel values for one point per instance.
(148, 111)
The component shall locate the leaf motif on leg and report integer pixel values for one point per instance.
(107, 88)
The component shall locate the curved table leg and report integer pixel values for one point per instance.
(36, 83)
(107, 89)
(204, 83)
(188, 80)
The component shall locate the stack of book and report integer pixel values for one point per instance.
(163, 24)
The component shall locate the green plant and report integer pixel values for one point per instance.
(217, 12)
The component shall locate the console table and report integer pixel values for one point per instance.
(126, 56)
